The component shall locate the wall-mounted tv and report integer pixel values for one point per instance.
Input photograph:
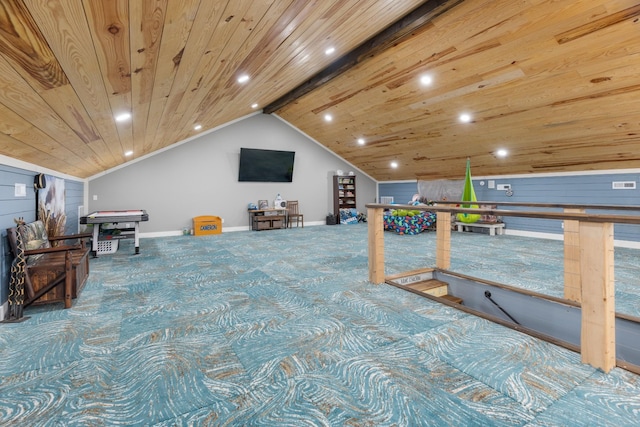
(265, 165)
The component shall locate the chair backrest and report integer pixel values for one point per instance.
(292, 206)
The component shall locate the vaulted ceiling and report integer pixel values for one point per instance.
(555, 83)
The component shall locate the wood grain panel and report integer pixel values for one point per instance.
(108, 23)
(218, 72)
(65, 26)
(553, 81)
(177, 27)
(22, 43)
(37, 113)
(146, 20)
(516, 94)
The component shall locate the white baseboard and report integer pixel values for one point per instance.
(175, 233)
(534, 234)
(554, 236)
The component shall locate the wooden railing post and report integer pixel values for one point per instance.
(572, 257)
(598, 334)
(443, 240)
(376, 245)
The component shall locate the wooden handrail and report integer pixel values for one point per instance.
(576, 216)
(546, 205)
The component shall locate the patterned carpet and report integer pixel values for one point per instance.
(282, 328)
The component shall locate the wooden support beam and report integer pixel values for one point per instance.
(598, 335)
(376, 245)
(572, 257)
(443, 240)
(391, 35)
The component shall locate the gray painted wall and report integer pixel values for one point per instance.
(200, 177)
(402, 192)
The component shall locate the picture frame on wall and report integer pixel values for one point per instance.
(263, 204)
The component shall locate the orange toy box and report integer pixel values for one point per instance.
(207, 224)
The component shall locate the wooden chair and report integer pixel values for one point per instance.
(293, 212)
(52, 273)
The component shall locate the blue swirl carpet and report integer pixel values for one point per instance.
(282, 328)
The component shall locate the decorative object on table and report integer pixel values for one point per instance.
(279, 202)
(468, 195)
(339, 172)
(252, 207)
(263, 204)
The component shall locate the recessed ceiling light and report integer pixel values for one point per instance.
(328, 117)
(243, 78)
(123, 117)
(394, 164)
(361, 141)
(426, 80)
(465, 117)
(254, 105)
(502, 153)
(197, 127)
(330, 50)
(128, 153)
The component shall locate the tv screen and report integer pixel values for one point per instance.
(265, 165)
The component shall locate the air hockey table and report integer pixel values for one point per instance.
(105, 239)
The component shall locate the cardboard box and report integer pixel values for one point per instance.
(205, 225)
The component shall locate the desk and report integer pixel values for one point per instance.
(99, 218)
(267, 219)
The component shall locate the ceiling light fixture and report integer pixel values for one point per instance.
(197, 127)
(123, 117)
(361, 141)
(243, 78)
(502, 153)
(426, 80)
(330, 50)
(465, 117)
(128, 153)
(394, 164)
(328, 117)
(254, 105)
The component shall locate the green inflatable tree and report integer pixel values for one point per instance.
(468, 195)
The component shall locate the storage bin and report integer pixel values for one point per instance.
(207, 224)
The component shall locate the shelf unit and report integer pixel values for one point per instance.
(344, 193)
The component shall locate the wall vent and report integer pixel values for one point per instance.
(623, 185)
(386, 200)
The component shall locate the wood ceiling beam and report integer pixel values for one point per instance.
(393, 34)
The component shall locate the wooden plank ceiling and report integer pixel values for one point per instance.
(555, 82)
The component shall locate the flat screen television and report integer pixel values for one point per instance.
(266, 165)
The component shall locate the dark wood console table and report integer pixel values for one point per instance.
(267, 219)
